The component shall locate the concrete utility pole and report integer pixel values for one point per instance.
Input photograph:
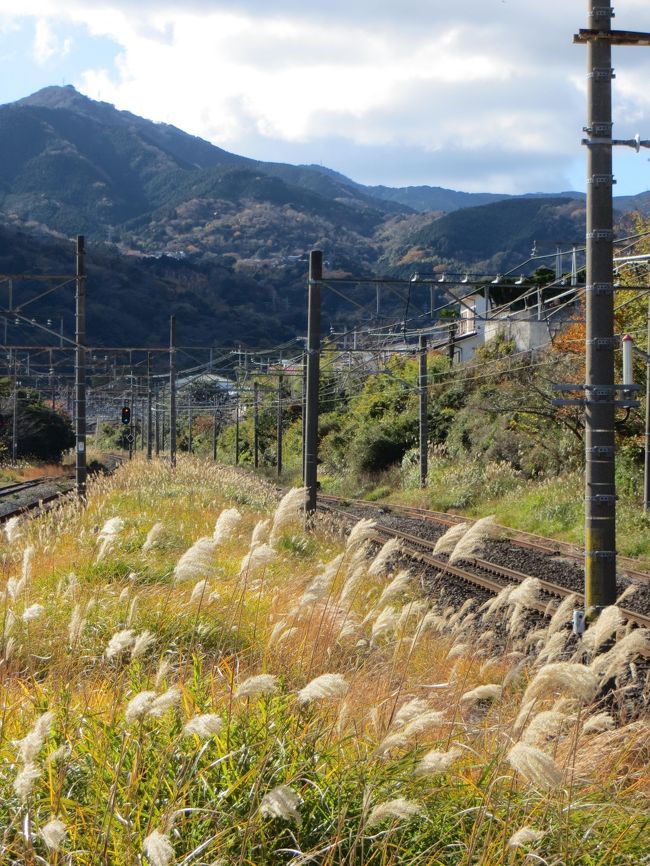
(80, 369)
(237, 431)
(256, 430)
(646, 465)
(424, 425)
(132, 426)
(600, 390)
(14, 416)
(214, 428)
(278, 440)
(172, 391)
(157, 426)
(189, 421)
(149, 409)
(313, 376)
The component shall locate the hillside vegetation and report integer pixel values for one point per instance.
(189, 676)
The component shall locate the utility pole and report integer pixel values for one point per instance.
(214, 429)
(149, 408)
(451, 345)
(256, 431)
(14, 419)
(278, 439)
(424, 426)
(189, 421)
(237, 430)
(313, 376)
(157, 426)
(172, 391)
(646, 465)
(600, 390)
(303, 400)
(80, 369)
(132, 424)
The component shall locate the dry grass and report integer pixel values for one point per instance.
(290, 706)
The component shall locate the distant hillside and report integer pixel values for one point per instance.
(492, 238)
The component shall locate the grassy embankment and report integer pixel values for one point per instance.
(131, 731)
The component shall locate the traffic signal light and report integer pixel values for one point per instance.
(126, 414)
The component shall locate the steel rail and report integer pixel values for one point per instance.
(494, 586)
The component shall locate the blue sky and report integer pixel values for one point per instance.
(480, 95)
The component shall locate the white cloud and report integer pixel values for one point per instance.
(483, 78)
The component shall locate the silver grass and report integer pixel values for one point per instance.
(535, 766)
(198, 590)
(33, 612)
(603, 628)
(324, 687)
(352, 584)
(124, 595)
(142, 643)
(203, 726)
(457, 650)
(108, 535)
(598, 723)
(399, 809)
(575, 680)
(435, 762)
(130, 614)
(385, 623)
(523, 597)
(473, 540)
(544, 727)
(60, 754)
(13, 530)
(261, 684)
(76, 625)
(555, 645)
(121, 640)
(409, 711)
(524, 836)
(139, 706)
(420, 724)
(447, 542)
(493, 605)
(158, 849)
(197, 562)
(161, 703)
(153, 537)
(260, 532)
(636, 644)
(410, 610)
(380, 563)
(23, 784)
(488, 692)
(282, 802)
(563, 615)
(32, 743)
(627, 592)
(361, 532)
(290, 510)
(257, 557)
(226, 524)
(164, 669)
(53, 833)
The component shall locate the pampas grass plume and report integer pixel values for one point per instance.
(153, 536)
(575, 680)
(197, 562)
(535, 766)
(490, 692)
(324, 687)
(32, 743)
(447, 542)
(53, 834)
(262, 684)
(380, 563)
(121, 640)
(158, 849)
(203, 726)
(524, 836)
(289, 510)
(226, 524)
(282, 802)
(361, 532)
(399, 809)
(24, 782)
(472, 541)
(435, 762)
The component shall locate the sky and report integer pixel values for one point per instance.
(476, 95)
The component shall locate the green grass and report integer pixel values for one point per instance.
(113, 779)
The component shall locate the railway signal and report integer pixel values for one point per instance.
(126, 414)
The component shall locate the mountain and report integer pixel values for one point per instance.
(74, 165)
(492, 238)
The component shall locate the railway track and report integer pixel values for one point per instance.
(547, 546)
(476, 571)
